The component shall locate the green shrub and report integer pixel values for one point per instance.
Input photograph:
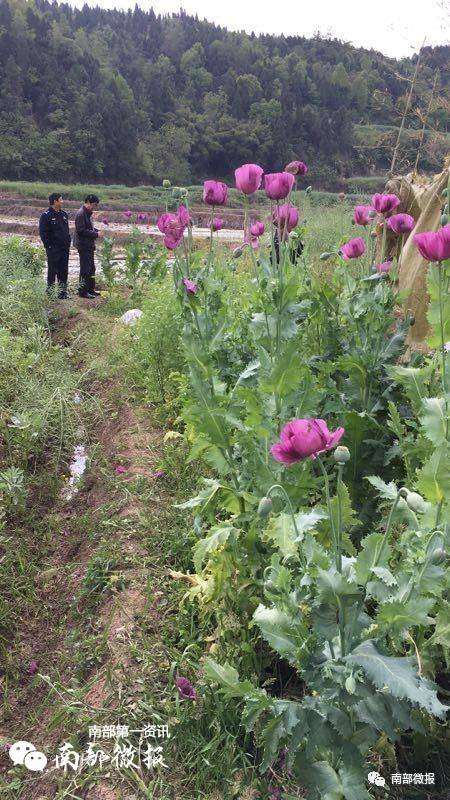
(19, 258)
(157, 346)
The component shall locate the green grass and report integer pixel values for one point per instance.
(140, 197)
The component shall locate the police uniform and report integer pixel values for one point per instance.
(54, 232)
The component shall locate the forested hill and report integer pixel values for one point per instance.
(102, 95)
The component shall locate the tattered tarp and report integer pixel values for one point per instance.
(422, 198)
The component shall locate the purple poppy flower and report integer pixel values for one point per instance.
(353, 249)
(257, 229)
(385, 203)
(287, 217)
(217, 224)
(33, 667)
(434, 245)
(278, 185)
(401, 223)
(384, 267)
(215, 193)
(296, 168)
(362, 214)
(120, 470)
(248, 178)
(173, 226)
(190, 286)
(185, 689)
(127, 214)
(302, 438)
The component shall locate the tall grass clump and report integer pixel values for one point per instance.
(37, 410)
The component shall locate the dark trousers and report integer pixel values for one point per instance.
(87, 272)
(58, 268)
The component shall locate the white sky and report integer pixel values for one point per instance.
(395, 27)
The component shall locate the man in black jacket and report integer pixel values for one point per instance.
(54, 232)
(84, 240)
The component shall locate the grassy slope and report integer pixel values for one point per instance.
(140, 197)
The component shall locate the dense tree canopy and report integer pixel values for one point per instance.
(94, 94)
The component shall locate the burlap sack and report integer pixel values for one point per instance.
(422, 198)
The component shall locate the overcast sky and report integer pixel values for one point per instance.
(396, 27)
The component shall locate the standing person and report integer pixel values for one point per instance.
(84, 241)
(54, 232)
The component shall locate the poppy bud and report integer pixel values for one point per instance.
(437, 556)
(176, 192)
(166, 183)
(308, 190)
(237, 252)
(350, 684)
(444, 219)
(265, 507)
(325, 256)
(416, 502)
(341, 455)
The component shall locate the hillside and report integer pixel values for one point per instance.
(96, 95)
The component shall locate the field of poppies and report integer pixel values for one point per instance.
(310, 453)
(320, 528)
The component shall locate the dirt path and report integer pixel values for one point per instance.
(100, 595)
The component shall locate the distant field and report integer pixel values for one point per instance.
(143, 197)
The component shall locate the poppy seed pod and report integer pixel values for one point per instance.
(341, 455)
(166, 183)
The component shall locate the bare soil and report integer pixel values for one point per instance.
(128, 437)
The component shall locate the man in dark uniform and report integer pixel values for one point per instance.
(54, 232)
(84, 240)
